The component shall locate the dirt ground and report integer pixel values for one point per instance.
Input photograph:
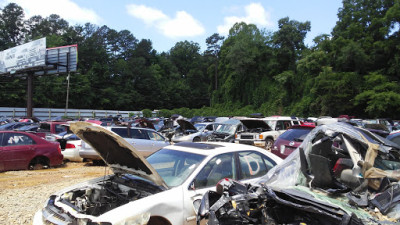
(22, 193)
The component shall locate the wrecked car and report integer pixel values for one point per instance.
(226, 131)
(192, 133)
(290, 140)
(340, 174)
(163, 189)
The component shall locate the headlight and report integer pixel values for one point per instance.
(282, 149)
(261, 137)
(140, 219)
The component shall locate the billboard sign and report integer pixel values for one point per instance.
(31, 54)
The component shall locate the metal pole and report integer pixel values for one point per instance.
(29, 104)
(66, 102)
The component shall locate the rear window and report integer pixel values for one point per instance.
(139, 134)
(123, 132)
(291, 134)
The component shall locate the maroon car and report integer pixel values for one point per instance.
(22, 150)
(288, 141)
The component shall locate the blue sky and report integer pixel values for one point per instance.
(167, 22)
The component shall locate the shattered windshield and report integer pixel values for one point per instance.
(226, 128)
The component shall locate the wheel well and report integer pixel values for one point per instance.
(269, 137)
(40, 160)
(158, 220)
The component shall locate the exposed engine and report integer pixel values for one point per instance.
(103, 196)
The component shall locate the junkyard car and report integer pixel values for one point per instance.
(225, 131)
(290, 140)
(164, 189)
(146, 141)
(192, 133)
(21, 151)
(340, 174)
(263, 132)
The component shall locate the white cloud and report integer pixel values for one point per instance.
(255, 14)
(66, 9)
(183, 25)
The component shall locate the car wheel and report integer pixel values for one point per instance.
(158, 221)
(269, 143)
(39, 163)
(196, 139)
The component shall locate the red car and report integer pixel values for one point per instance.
(22, 150)
(290, 140)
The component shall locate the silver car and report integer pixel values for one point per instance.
(145, 141)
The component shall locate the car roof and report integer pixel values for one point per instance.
(216, 148)
(137, 128)
(279, 118)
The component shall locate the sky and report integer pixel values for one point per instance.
(166, 22)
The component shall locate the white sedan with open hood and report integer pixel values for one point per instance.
(164, 189)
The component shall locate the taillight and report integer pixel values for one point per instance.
(69, 145)
(236, 136)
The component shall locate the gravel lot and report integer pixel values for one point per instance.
(22, 193)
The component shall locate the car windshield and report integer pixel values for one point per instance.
(294, 134)
(199, 126)
(226, 128)
(174, 166)
(271, 123)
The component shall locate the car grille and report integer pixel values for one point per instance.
(51, 216)
(243, 136)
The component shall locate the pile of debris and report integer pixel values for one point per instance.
(339, 175)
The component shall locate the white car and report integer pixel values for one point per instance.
(263, 132)
(165, 189)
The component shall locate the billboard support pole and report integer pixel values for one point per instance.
(66, 101)
(29, 107)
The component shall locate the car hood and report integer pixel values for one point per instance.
(251, 124)
(186, 125)
(116, 151)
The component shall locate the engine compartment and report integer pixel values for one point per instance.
(103, 196)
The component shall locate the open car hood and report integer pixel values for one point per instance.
(186, 125)
(252, 124)
(116, 151)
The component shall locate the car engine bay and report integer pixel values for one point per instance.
(108, 194)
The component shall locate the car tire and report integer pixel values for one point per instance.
(158, 221)
(39, 163)
(269, 143)
(196, 139)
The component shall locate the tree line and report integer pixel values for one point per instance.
(353, 70)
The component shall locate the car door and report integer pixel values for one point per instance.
(141, 141)
(157, 140)
(253, 165)
(217, 168)
(18, 150)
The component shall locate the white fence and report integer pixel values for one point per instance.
(44, 114)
